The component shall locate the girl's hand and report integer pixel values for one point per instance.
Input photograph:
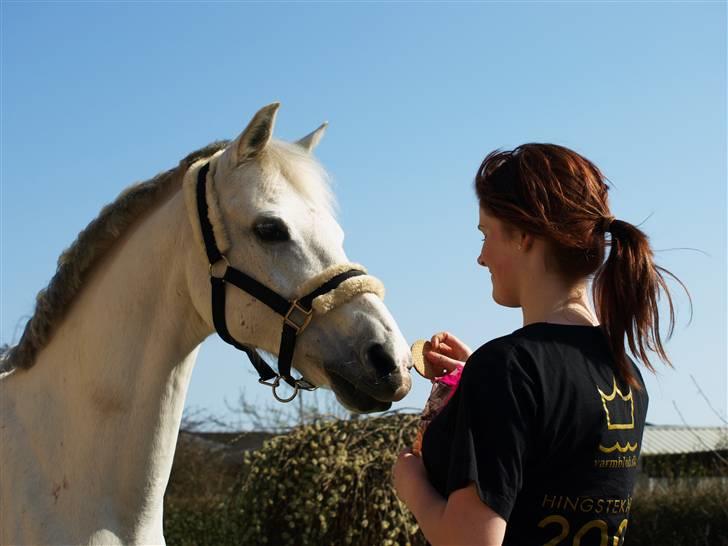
(447, 351)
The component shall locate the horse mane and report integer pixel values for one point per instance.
(77, 262)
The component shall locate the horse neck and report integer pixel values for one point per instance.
(114, 378)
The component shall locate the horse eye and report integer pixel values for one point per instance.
(271, 230)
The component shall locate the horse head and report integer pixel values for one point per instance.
(271, 213)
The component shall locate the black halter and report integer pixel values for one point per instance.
(296, 314)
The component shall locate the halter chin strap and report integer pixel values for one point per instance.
(336, 285)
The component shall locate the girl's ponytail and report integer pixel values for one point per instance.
(626, 291)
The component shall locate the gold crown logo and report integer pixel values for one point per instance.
(615, 419)
(618, 447)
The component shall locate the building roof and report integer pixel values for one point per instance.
(671, 439)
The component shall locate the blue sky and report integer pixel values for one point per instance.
(96, 96)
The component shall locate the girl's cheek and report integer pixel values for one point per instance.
(487, 257)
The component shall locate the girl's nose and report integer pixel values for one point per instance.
(480, 261)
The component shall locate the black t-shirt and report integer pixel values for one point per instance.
(547, 433)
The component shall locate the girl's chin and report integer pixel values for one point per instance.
(505, 302)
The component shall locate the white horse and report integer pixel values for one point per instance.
(91, 398)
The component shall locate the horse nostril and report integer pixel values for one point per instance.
(382, 361)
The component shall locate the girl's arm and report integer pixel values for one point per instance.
(462, 519)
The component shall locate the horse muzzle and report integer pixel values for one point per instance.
(370, 381)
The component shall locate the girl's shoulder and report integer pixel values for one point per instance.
(536, 348)
(496, 359)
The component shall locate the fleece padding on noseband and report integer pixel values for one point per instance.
(214, 213)
(345, 291)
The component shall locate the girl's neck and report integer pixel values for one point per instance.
(556, 303)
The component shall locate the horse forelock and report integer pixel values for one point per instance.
(76, 263)
(307, 176)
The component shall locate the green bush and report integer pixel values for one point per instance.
(197, 497)
(188, 524)
(686, 465)
(678, 515)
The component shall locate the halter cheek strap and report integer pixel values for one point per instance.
(331, 288)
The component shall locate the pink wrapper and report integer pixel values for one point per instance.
(442, 390)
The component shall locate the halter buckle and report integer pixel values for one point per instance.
(303, 321)
(304, 385)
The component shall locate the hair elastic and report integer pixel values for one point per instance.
(605, 224)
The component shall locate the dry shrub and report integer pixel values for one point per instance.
(328, 483)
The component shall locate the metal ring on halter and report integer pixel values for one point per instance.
(222, 259)
(274, 387)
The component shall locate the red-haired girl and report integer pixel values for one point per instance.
(540, 442)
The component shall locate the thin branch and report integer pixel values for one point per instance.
(707, 401)
(700, 440)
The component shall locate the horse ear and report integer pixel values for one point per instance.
(257, 134)
(311, 140)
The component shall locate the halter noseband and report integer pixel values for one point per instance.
(297, 313)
